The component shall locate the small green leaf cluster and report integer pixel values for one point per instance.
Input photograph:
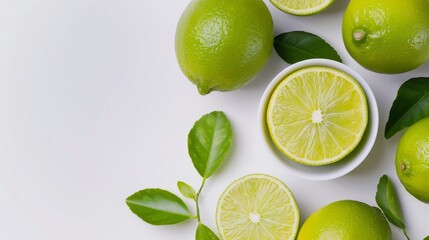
(209, 141)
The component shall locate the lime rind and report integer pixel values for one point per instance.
(412, 160)
(291, 202)
(302, 8)
(346, 219)
(326, 160)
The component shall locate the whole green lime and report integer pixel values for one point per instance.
(412, 160)
(346, 220)
(222, 44)
(387, 36)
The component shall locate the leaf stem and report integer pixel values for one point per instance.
(405, 233)
(198, 198)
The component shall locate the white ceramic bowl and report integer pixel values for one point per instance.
(353, 159)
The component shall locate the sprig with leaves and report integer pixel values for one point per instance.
(387, 199)
(209, 141)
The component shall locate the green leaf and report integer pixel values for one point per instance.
(204, 233)
(426, 238)
(209, 142)
(387, 200)
(186, 190)
(297, 46)
(410, 106)
(158, 207)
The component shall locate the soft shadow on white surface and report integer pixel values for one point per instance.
(94, 107)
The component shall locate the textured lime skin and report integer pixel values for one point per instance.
(412, 160)
(222, 44)
(393, 37)
(346, 220)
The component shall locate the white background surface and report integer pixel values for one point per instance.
(94, 107)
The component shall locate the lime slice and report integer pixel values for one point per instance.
(302, 7)
(257, 207)
(317, 115)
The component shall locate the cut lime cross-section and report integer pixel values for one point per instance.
(257, 207)
(317, 115)
(302, 7)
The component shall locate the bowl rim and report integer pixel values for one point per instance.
(353, 159)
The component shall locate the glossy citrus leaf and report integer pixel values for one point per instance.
(158, 207)
(209, 142)
(205, 233)
(387, 200)
(186, 190)
(410, 106)
(297, 46)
